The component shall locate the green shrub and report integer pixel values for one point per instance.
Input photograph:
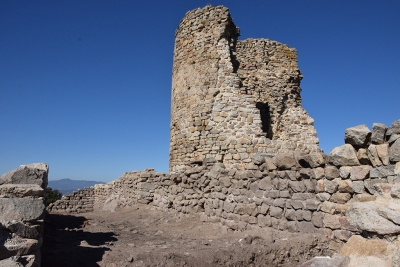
(51, 195)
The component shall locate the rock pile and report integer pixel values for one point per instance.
(22, 212)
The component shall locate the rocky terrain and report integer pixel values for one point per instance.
(143, 236)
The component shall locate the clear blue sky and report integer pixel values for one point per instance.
(85, 85)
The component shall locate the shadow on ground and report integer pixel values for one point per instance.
(66, 244)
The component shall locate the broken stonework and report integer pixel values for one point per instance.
(22, 212)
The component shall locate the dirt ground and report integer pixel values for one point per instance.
(143, 236)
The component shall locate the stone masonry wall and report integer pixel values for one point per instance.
(294, 191)
(22, 212)
(232, 99)
(77, 202)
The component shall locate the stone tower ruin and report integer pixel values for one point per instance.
(232, 99)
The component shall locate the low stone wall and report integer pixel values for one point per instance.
(311, 193)
(22, 212)
(79, 201)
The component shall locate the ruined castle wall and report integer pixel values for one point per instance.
(233, 99)
(353, 190)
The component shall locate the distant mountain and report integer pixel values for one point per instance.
(67, 186)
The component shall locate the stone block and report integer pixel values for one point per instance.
(382, 172)
(331, 186)
(21, 209)
(324, 196)
(285, 161)
(373, 156)
(346, 186)
(344, 172)
(317, 219)
(276, 212)
(35, 173)
(290, 214)
(358, 136)
(297, 204)
(362, 156)
(343, 235)
(21, 190)
(312, 204)
(306, 227)
(331, 172)
(280, 202)
(340, 198)
(378, 133)
(317, 173)
(310, 185)
(370, 184)
(394, 128)
(344, 155)
(359, 172)
(394, 151)
(383, 153)
(331, 221)
(297, 186)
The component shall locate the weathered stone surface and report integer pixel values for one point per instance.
(391, 215)
(21, 209)
(344, 155)
(358, 187)
(383, 153)
(364, 215)
(340, 198)
(362, 156)
(370, 184)
(359, 172)
(345, 186)
(10, 262)
(358, 136)
(22, 230)
(382, 172)
(395, 191)
(285, 161)
(14, 245)
(358, 246)
(312, 160)
(394, 128)
(21, 190)
(36, 173)
(373, 156)
(394, 151)
(378, 133)
(331, 172)
(331, 221)
(344, 172)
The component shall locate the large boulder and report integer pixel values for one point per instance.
(366, 216)
(344, 155)
(378, 133)
(35, 173)
(358, 136)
